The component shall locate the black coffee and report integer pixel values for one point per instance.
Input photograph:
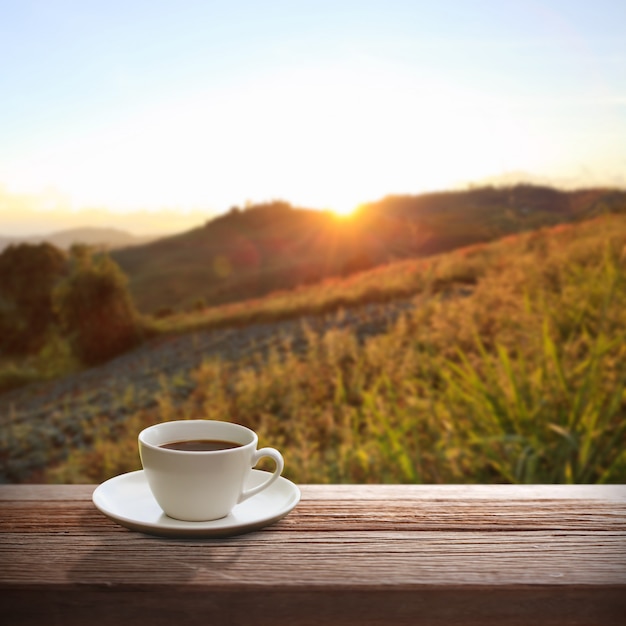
(201, 445)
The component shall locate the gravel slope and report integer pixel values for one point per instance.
(40, 422)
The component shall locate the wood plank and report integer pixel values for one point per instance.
(389, 607)
(352, 516)
(459, 493)
(40, 493)
(350, 510)
(466, 493)
(400, 559)
(347, 554)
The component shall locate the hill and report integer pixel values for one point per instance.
(498, 362)
(250, 253)
(109, 238)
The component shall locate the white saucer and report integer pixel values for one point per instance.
(127, 500)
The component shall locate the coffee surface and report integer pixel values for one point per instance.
(201, 445)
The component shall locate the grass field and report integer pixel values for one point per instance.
(510, 368)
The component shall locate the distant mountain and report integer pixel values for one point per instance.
(572, 182)
(109, 238)
(249, 253)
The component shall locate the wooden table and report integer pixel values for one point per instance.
(357, 555)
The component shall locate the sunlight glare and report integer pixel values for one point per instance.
(344, 211)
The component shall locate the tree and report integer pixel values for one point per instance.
(96, 308)
(28, 276)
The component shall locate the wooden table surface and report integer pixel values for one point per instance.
(361, 555)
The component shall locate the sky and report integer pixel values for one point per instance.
(152, 115)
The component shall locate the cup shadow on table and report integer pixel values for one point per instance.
(138, 557)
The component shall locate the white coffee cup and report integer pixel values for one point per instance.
(202, 485)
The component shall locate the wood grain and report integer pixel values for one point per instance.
(348, 554)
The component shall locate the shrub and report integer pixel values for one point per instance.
(13, 376)
(95, 307)
(163, 312)
(28, 275)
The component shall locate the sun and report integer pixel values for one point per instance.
(344, 212)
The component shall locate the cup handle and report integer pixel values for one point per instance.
(258, 455)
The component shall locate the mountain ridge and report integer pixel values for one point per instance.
(109, 238)
(274, 246)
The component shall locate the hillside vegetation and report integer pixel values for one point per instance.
(509, 366)
(250, 253)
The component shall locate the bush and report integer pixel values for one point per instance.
(13, 376)
(163, 312)
(95, 307)
(28, 275)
